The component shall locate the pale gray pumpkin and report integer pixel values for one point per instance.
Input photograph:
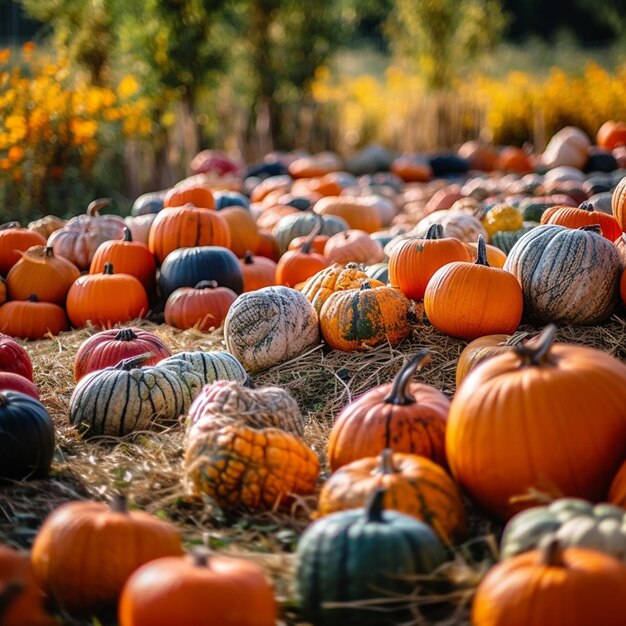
(269, 326)
(575, 523)
(568, 276)
(212, 366)
(299, 224)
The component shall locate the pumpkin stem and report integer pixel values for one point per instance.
(10, 225)
(586, 206)
(481, 257)
(248, 258)
(375, 507)
(552, 554)
(125, 334)
(535, 351)
(399, 394)
(201, 557)
(93, 210)
(128, 236)
(48, 251)
(316, 230)
(435, 231)
(119, 504)
(207, 284)
(592, 228)
(108, 269)
(8, 594)
(33, 298)
(3, 402)
(352, 266)
(365, 285)
(134, 361)
(386, 462)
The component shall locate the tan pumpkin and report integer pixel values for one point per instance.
(569, 147)
(353, 246)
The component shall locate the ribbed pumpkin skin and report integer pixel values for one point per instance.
(212, 366)
(14, 358)
(507, 421)
(413, 485)
(184, 227)
(109, 347)
(239, 465)
(118, 542)
(270, 326)
(567, 276)
(116, 402)
(297, 224)
(575, 217)
(358, 319)
(26, 437)
(477, 351)
(42, 273)
(32, 320)
(186, 193)
(467, 300)
(199, 307)
(413, 262)
(618, 203)
(186, 267)
(345, 557)
(506, 239)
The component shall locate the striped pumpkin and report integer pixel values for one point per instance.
(506, 239)
(297, 224)
(212, 366)
(125, 398)
(567, 276)
(269, 326)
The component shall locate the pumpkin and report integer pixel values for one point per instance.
(267, 246)
(14, 357)
(317, 245)
(186, 267)
(274, 183)
(238, 462)
(457, 224)
(125, 398)
(408, 417)
(26, 437)
(379, 272)
(269, 326)
(139, 226)
(481, 155)
(497, 446)
(495, 256)
(267, 406)
(618, 203)
(187, 226)
(576, 523)
(41, 272)
(505, 239)
(413, 485)
(212, 366)
(573, 586)
(119, 542)
(46, 225)
(190, 192)
(79, 239)
(353, 246)
(203, 307)
(10, 381)
(128, 257)
(617, 491)
(297, 224)
(478, 350)
(513, 159)
(585, 215)
(358, 213)
(349, 566)
(224, 199)
(359, 319)
(502, 217)
(611, 135)
(214, 590)
(31, 319)
(413, 261)
(109, 347)
(21, 599)
(3, 290)
(336, 277)
(314, 165)
(148, 203)
(244, 234)
(567, 276)
(569, 147)
(106, 299)
(13, 241)
(258, 272)
(411, 169)
(468, 300)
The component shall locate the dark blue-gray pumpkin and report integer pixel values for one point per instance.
(26, 437)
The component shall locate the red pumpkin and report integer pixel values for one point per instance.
(258, 272)
(14, 358)
(9, 381)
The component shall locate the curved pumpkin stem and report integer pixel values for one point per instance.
(108, 269)
(10, 225)
(248, 258)
(125, 334)
(207, 284)
(8, 595)
(592, 228)
(386, 462)
(375, 507)
(586, 206)
(399, 394)
(93, 210)
(535, 351)
(32, 298)
(119, 504)
(481, 256)
(128, 236)
(48, 252)
(134, 361)
(552, 554)
(201, 557)
(435, 231)
(317, 229)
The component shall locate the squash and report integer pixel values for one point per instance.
(189, 192)
(10, 381)
(506, 239)
(359, 213)
(457, 224)
(618, 203)
(502, 217)
(212, 366)
(611, 135)
(569, 147)
(244, 234)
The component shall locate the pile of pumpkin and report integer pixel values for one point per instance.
(526, 417)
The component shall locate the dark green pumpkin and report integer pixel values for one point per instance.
(363, 555)
(379, 271)
(125, 398)
(505, 240)
(186, 267)
(26, 437)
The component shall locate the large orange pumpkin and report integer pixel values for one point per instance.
(584, 215)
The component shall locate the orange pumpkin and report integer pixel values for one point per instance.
(353, 246)
(244, 234)
(495, 256)
(468, 300)
(618, 203)
(267, 246)
(478, 350)
(611, 135)
(13, 241)
(258, 272)
(413, 485)
(406, 416)
(190, 193)
(212, 590)
(512, 159)
(31, 319)
(317, 245)
(411, 169)
(359, 213)
(584, 215)
(314, 165)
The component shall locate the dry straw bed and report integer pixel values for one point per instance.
(147, 466)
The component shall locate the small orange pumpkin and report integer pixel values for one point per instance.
(353, 246)
(478, 350)
(258, 272)
(31, 319)
(13, 241)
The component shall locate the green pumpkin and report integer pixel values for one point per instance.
(378, 271)
(505, 240)
(575, 522)
(363, 554)
(533, 209)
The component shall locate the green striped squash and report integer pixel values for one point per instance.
(212, 366)
(568, 276)
(506, 239)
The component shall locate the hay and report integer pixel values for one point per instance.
(147, 466)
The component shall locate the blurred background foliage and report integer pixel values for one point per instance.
(109, 97)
